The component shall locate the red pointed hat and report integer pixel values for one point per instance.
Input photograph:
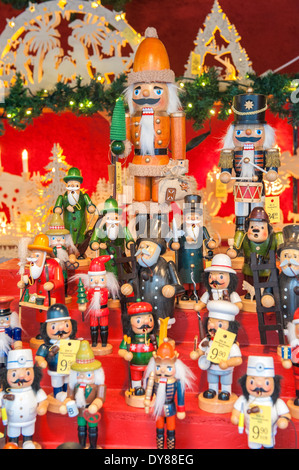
(97, 265)
(140, 308)
(5, 302)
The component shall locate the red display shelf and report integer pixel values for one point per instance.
(124, 427)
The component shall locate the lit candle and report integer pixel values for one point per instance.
(25, 161)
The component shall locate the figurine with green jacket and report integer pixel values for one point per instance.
(74, 204)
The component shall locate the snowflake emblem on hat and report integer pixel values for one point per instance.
(249, 105)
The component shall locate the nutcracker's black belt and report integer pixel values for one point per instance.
(157, 152)
(104, 306)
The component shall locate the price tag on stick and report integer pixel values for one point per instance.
(260, 426)
(221, 346)
(67, 355)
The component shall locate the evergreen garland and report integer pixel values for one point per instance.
(201, 98)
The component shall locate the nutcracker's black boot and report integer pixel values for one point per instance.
(104, 335)
(160, 438)
(82, 433)
(93, 437)
(240, 223)
(94, 333)
(170, 439)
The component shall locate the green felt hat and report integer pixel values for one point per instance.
(73, 174)
(111, 205)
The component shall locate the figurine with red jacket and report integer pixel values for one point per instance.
(93, 293)
(167, 378)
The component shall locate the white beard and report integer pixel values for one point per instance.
(192, 230)
(147, 135)
(35, 271)
(247, 170)
(62, 256)
(5, 343)
(73, 197)
(160, 398)
(80, 398)
(112, 231)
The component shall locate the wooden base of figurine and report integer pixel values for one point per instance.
(248, 305)
(185, 304)
(213, 405)
(88, 447)
(54, 404)
(136, 401)
(113, 303)
(35, 343)
(294, 410)
(68, 299)
(100, 350)
(83, 262)
(237, 263)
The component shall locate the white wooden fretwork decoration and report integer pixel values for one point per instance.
(218, 45)
(100, 44)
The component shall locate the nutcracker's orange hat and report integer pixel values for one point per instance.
(41, 243)
(151, 62)
(166, 350)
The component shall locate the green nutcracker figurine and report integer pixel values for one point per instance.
(74, 204)
(258, 238)
(137, 347)
(110, 234)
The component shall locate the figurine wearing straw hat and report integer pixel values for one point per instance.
(86, 394)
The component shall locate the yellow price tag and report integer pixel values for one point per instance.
(272, 207)
(208, 263)
(221, 189)
(221, 346)
(67, 355)
(260, 426)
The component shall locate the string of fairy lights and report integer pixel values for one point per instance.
(202, 98)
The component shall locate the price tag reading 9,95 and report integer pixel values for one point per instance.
(260, 426)
(67, 355)
(221, 346)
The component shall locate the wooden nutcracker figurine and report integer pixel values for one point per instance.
(86, 394)
(22, 398)
(288, 253)
(99, 285)
(221, 282)
(63, 246)
(111, 234)
(10, 329)
(219, 367)
(167, 377)
(249, 149)
(137, 347)
(58, 326)
(155, 118)
(190, 246)
(44, 279)
(261, 389)
(259, 238)
(74, 205)
(290, 359)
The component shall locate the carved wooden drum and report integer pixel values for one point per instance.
(248, 191)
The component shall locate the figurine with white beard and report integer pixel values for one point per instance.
(10, 329)
(155, 119)
(288, 279)
(111, 234)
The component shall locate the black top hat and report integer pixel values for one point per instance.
(290, 238)
(249, 108)
(192, 203)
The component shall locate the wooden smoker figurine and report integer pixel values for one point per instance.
(249, 150)
(21, 397)
(155, 117)
(137, 348)
(58, 326)
(86, 394)
(10, 329)
(219, 362)
(166, 376)
(261, 389)
(288, 279)
(98, 286)
(74, 205)
(190, 246)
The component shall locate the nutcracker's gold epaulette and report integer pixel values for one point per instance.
(226, 159)
(272, 158)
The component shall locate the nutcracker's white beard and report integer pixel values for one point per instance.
(192, 229)
(112, 230)
(147, 135)
(80, 397)
(73, 197)
(160, 398)
(5, 343)
(269, 142)
(35, 271)
(62, 256)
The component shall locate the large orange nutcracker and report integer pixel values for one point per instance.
(155, 121)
